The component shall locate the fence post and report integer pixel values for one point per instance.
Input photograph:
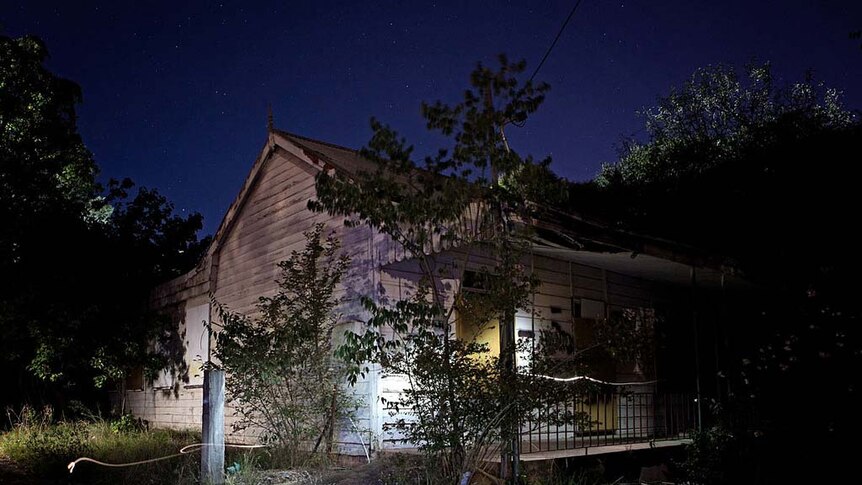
(212, 453)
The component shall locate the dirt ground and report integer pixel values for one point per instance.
(365, 474)
(11, 474)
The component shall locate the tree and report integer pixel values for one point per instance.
(152, 245)
(283, 377)
(46, 169)
(715, 117)
(732, 165)
(42, 151)
(76, 264)
(78, 316)
(762, 174)
(469, 203)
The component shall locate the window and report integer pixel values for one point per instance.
(135, 379)
(476, 319)
(476, 322)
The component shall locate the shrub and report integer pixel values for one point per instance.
(709, 456)
(284, 379)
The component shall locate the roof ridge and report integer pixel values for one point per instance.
(313, 140)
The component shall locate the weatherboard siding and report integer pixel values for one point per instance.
(261, 238)
(266, 228)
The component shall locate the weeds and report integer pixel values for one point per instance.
(44, 448)
(244, 470)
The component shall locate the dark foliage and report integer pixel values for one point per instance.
(76, 265)
(765, 177)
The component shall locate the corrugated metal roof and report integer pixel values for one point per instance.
(342, 158)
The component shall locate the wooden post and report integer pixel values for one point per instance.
(696, 347)
(212, 454)
(510, 453)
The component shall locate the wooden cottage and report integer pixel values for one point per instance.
(587, 272)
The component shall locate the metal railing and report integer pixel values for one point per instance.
(606, 419)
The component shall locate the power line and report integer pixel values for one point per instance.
(554, 43)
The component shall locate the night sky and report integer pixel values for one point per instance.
(175, 93)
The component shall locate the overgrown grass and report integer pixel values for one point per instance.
(44, 448)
